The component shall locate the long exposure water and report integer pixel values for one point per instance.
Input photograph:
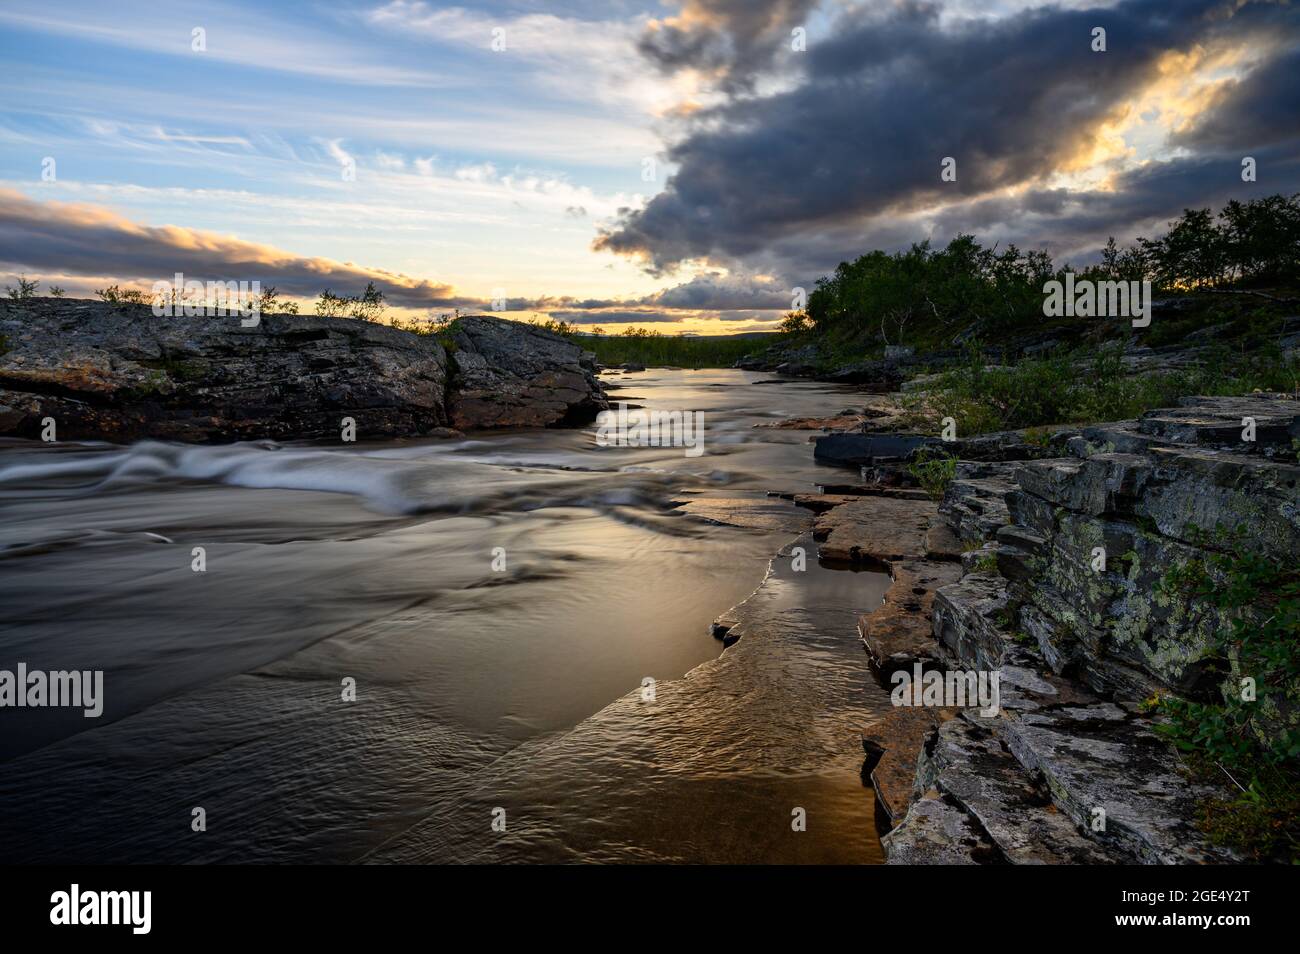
(475, 685)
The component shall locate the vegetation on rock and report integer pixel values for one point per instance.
(1092, 384)
(933, 470)
(1251, 736)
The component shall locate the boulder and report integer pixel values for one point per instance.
(858, 450)
(120, 373)
(509, 374)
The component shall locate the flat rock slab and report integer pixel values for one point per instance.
(837, 422)
(938, 832)
(897, 739)
(875, 530)
(752, 513)
(1217, 421)
(821, 503)
(969, 762)
(873, 490)
(942, 543)
(1103, 757)
(898, 634)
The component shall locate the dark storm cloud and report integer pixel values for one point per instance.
(1263, 109)
(884, 97)
(732, 40)
(1072, 225)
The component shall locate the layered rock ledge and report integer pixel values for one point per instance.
(1071, 769)
(1003, 576)
(120, 373)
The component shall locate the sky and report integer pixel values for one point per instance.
(686, 166)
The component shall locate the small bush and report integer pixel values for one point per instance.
(24, 291)
(933, 470)
(122, 296)
(368, 306)
(271, 303)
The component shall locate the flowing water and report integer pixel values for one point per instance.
(478, 685)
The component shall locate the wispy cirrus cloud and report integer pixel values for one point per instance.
(236, 35)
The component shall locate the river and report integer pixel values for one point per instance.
(499, 605)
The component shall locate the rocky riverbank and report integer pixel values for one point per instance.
(1045, 562)
(119, 373)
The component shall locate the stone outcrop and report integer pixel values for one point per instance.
(1070, 768)
(509, 374)
(968, 772)
(876, 528)
(863, 450)
(119, 373)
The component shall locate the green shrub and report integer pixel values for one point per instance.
(1056, 390)
(1252, 743)
(933, 470)
(271, 303)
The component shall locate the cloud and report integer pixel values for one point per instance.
(235, 35)
(714, 291)
(616, 317)
(707, 292)
(590, 59)
(729, 40)
(68, 238)
(340, 155)
(853, 145)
